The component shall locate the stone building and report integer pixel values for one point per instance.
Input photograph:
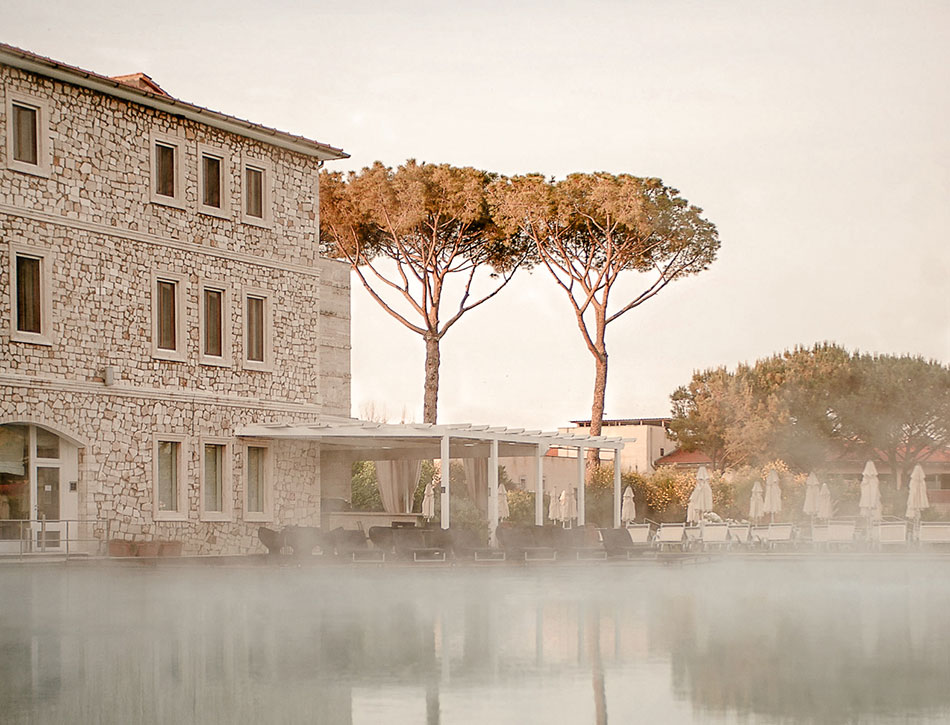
(160, 288)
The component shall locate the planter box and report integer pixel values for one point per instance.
(148, 548)
(119, 547)
(170, 548)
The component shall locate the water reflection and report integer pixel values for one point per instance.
(766, 641)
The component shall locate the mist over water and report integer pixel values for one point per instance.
(849, 639)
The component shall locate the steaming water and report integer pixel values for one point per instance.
(764, 641)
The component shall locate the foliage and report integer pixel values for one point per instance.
(521, 506)
(432, 222)
(588, 229)
(803, 405)
(364, 491)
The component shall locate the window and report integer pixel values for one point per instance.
(258, 504)
(28, 148)
(215, 501)
(30, 295)
(170, 495)
(166, 182)
(168, 313)
(213, 191)
(257, 330)
(214, 319)
(256, 195)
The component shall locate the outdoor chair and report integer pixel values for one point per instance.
(579, 543)
(273, 540)
(890, 533)
(628, 542)
(740, 533)
(382, 538)
(934, 533)
(778, 535)
(303, 540)
(412, 544)
(527, 543)
(819, 535)
(840, 534)
(759, 535)
(352, 544)
(715, 536)
(467, 544)
(670, 535)
(693, 537)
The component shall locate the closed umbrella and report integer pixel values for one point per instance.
(812, 486)
(554, 508)
(503, 511)
(756, 503)
(564, 508)
(700, 500)
(572, 504)
(917, 499)
(428, 502)
(825, 508)
(870, 503)
(773, 495)
(628, 511)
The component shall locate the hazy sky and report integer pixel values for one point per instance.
(813, 134)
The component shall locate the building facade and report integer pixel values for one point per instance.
(645, 440)
(160, 288)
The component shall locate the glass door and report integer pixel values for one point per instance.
(47, 526)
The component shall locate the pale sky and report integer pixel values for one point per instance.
(813, 134)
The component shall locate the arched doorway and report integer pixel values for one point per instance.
(38, 488)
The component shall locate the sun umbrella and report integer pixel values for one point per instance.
(756, 503)
(572, 504)
(812, 486)
(564, 508)
(554, 508)
(870, 503)
(773, 495)
(825, 507)
(503, 511)
(428, 501)
(917, 493)
(628, 511)
(700, 500)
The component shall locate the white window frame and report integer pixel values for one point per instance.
(267, 364)
(178, 144)
(179, 354)
(46, 257)
(224, 211)
(182, 513)
(225, 359)
(268, 513)
(267, 220)
(44, 149)
(227, 485)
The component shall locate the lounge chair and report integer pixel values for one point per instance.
(273, 540)
(528, 543)
(715, 536)
(740, 534)
(840, 533)
(628, 542)
(934, 533)
(579, 543)
(693, 537)
(819, 535)
(303, 540)
(467, 544)
(382, 538)
(759, 535)
(890, 533)
(352, 544)
(414, 544)
(779, 535)
(670, 535)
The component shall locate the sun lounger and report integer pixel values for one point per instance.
(273, 540)
(740, 534)
(778, 535)
(382, 539)
(693, 537)
(932, 533)
(467, 544)
(670, 535)
(715, 536)
(890, 533)
(416, 545)
(819, 535)
(352, 544)
(840, 533)
(527, 543)
(303, 540)
(579, 543)
(759, 535)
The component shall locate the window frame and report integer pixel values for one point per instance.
(181, 514)
(267, 364)
(226, 358)
(267, 219)
(227, 485)
(179, 353)
(202, 150)
(178, 144)
(44, 150)
(46, 259)
(268, 513)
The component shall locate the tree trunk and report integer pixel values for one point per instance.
(431, 395)
(600, 390)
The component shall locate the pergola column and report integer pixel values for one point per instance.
(539, 486)
(446, 481)
(617, 483)
(581, 488)
(493, 491)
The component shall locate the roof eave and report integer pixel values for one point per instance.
(59, 71)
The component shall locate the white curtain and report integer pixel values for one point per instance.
(397, 480)
(476, 480)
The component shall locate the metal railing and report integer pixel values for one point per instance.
(42, 536)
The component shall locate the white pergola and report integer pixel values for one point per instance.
(398, 441)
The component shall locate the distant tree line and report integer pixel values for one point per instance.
(810, 404)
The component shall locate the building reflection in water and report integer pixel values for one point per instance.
(826, 641)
